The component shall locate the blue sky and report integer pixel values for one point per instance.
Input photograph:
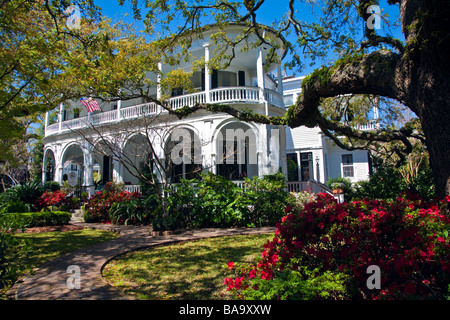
(269, 11)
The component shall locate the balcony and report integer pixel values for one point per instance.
(222, 95)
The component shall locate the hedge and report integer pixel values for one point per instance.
(38, 219)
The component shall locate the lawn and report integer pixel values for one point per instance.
(49, 245)
(193, 270)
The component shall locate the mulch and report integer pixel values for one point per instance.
(67, 227)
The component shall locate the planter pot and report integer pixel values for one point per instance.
(338, 191)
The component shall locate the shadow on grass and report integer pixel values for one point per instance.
(192, 270)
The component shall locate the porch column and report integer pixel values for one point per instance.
(44, 168)
(280, 81)
(88, 169)
(274, 152)
(117, 171)
(60, 115)
(119, 106)
(47, 119)
(158, 82)
(260, 73)
(207, 73)
(207, 145)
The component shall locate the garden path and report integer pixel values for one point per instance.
(49, 281)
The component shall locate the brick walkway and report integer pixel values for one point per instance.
(49, 282)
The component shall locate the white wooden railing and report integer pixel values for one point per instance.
(132, 188)
(371, 126)
(146, 109)
(220, 95)
(293, 186)
(311, 186)
(234, 94)
(188, 100)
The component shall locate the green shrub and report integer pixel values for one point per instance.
(301, 284)
(98, 206)
(51, 186)
(13, 254)
(14, 206)
(347, 187)
(211, 201)
(38, 219)
(268, 197)
(128, 212)
(27, 194)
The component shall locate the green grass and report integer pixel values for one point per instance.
(192, 270)
(50, 245)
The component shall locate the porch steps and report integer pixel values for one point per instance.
(77, 216)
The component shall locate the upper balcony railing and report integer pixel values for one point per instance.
(221, 95)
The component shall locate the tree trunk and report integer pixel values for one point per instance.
(437, 131)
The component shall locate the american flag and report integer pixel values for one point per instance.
(90, 104)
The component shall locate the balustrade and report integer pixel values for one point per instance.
(220, 95)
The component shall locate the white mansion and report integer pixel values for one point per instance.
(304, 155)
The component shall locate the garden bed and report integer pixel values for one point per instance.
(67, 227)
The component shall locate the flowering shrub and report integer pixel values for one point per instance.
(406, 238)
(53, 199)
(98, 206)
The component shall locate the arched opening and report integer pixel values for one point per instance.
(49, 166)
(103, 162)
(137, 159)
(236, 153)
(72, 163)
(183, 155)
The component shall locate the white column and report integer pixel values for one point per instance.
(44, 168)
(207, 73)
(158, 80)
(260, 73)
(207, 145)
(117, 168)
(280, 80)
(47, 119)
(119, 106)
(60, 115)
(274, 152)
(88, 170)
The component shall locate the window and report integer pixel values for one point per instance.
(288, 100)
(347, 165)
(292, 166)
(306, 166)
(227, 79)
(198, 80)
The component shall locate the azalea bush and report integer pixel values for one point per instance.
(53, 199)
(407, 238)
(98, 207)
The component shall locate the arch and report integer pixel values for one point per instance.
(236, 145)
(49, 165)
(72, 160)
(136, 158)
(183, 153)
